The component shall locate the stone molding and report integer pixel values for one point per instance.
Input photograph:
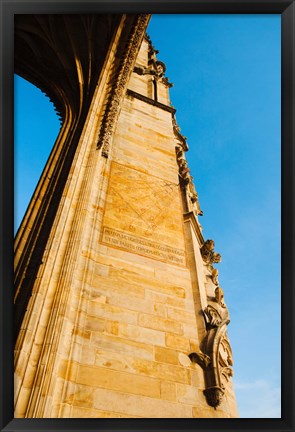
(120, 83)
(150, 101)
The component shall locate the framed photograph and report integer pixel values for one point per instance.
(152, 243)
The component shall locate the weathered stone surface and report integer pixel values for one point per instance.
(177, 342)
(123, 345)
(163, 324)
(165, 355)
(168, 391)
(118, 303)
(115, 380)
(139, 405)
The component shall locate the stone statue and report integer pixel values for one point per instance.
(160, 68)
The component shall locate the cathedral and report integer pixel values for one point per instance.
(118, 308)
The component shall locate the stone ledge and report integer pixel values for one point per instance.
(150, 101)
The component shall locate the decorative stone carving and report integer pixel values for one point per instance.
(201, 359)
(216, 316)
(216, 257)
(156, 67)
(216, 355)
(219, 296)
(217, 347)
(193, 192)
(208, 254)
(187, 181)
(225, 361)
(207, 251)
(213, 318)
(181, 139)
(119, 87)
(214, 276)
(216, 313)
(184, 171)
(160, 68)
(141, 70)
(216, 344)
(214, 396)
(152, 51)
(194, 196)
(159, 73)
(166, 82)
(228, 359)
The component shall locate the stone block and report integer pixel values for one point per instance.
(208, 412)
(164, 355)
(111, 312)
(81, 412)
(168, 391)
(120, 381)
(182, 316)
(139, 405)
(141, 334)
(178, 343)
(67, 370)
(123, 346)
(163, 371)
(159, 323)
(187, 394)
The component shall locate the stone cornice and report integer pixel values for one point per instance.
(150, 101)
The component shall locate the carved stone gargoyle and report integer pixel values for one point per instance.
(184, 171)
(216, 355)
(216, 363)
(219, 372)
(208, 254)
(200, 358)
(142, 70)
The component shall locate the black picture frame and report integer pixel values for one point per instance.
(8, 9)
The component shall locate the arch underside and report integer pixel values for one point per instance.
(63, 55)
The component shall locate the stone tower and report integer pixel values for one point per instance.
(118, 308)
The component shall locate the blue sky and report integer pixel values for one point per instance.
(226, 75)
